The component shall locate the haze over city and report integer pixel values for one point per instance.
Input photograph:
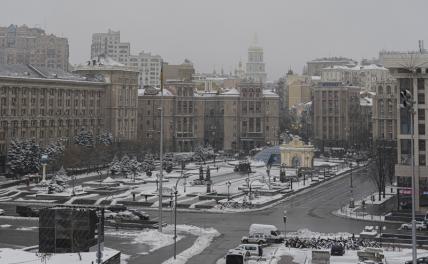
(213, 132)
(213, 34)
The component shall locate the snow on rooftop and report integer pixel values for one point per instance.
(357, 67)
(154, 92)
(231, 92)
(109, 62)
(268, 93)
(315, 78)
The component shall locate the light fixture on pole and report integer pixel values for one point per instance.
(284, 218)
(161, 151)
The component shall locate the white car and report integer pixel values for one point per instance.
(126, 215)
(252, 249)
(1, 212)
(109, 214)
(257, 238)
(419, 226)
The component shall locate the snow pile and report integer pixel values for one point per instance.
(306, 233)
(5, 226)
(153, 239)
(205, 237)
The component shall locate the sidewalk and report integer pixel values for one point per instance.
(370, 211)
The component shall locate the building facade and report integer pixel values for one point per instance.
(24, 45)
(411, 71)
(385, 111)
(235, 120)
(149, 67)
(178, 72)
(109, 45)
(121, 96)
(314, 67)
(336, 109)
(299, 89)
(36, 103)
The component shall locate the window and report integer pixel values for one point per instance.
(421, 84)
(421, 128)
(405, 154)
(422, 145)
(422, 159)
(421, 98)
(421, 114)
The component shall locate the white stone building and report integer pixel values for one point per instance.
(255, 67)
(109, 45)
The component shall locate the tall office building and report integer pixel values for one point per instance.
(411, 71)
(24, 45)
(149, 67)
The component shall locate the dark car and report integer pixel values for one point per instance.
(27, 211)
(141, 214)
(423, 260)
(337, 250)
(117, 208)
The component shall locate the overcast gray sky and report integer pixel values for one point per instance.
(218, 32)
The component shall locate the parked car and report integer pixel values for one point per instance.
(126, 215)
(109, 214)
(419, 226)
(368, 232)
(253, 249)
(117, 208)
(337, 250)
(236, 257)
(141, 214)
(270, 232)
(423, 260)
(1, 212)
(27, 211)
(257, 238)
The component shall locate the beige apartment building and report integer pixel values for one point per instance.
(336, 111)
(235, 120)
(121, 95)
(25, 45)
(411, 71)
(44, 105)
(299, 89)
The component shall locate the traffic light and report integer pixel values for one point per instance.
(406, 98)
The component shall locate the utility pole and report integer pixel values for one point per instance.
(161, 151)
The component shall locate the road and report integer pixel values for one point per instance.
(311, 210)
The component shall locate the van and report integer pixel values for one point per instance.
(271, 233)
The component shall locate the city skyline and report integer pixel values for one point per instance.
(213, 38)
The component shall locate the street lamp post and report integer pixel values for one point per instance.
(407, 102)
(228, 183)
(284, 218)
(351, 202)
(44, 161)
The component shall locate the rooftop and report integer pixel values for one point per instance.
(33, 72)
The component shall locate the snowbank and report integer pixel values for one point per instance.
(205, 237)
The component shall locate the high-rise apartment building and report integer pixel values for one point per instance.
(149, 67)
(109, 45)
(411, 71)
(24, 45)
